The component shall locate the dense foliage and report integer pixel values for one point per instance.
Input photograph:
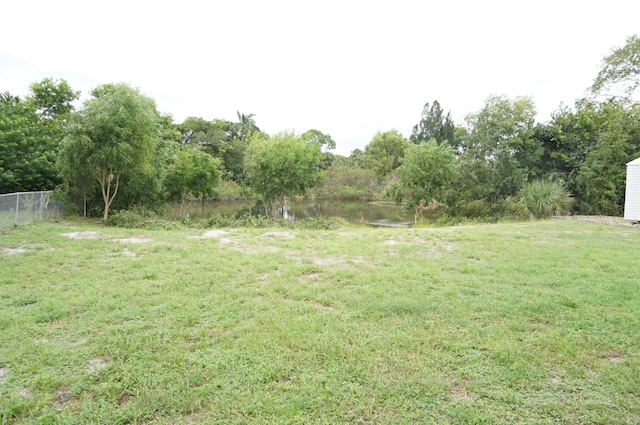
(30, 132)
(118, 152)
(280, 166)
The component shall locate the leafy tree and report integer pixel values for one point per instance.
(316, 137)
(324, 141)
(426, 172)
(587, 147)
(221, 139)
(620, 69)
(434, 125)
(385, 151)
(143, 186)
(18, 143)
(601, 178)
(30, 132)
(280, 166)
(356, 158)
(194, 174)
(499, 153)
(115, 133)
(53, 99)
(208, 135)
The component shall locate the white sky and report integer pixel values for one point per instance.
(349, 68)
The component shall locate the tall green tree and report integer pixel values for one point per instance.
(499, 153)
(434, 125)
(324, 141)
(280, 166)
(53, 99)
(221, 139)
(427, 171)
(316, 137)
(21, 156)
(587, 147)
(620, 70)
(601, 177)
(194, 174)
(30, 132)
(385, 151)
(115, 133)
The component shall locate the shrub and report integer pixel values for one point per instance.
(541, 199)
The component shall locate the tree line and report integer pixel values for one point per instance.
(117, 151)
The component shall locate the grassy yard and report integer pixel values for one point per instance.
(535, 323)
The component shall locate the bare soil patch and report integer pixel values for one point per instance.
(4, 375)
(283, 235)
(62, 397)
(96, 364)
(460, 393)
(84, 235)
(18, 250)
(612, 356)
(213, 233)
(135, 239)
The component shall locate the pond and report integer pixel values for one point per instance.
(381, 213)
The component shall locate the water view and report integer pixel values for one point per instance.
(350, 210)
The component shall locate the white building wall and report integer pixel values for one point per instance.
(632, 191)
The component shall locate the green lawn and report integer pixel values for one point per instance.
(535, 323)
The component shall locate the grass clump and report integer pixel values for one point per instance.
(504, 324)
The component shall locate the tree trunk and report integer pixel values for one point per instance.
(105, 186)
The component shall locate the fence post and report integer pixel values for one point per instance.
(17, 207)
(41, 209)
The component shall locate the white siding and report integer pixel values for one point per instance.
(632, 191)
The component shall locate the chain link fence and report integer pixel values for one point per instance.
(27, 207)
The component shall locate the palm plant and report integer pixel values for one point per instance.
(541, 199)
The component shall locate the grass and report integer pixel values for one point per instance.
(532, 323)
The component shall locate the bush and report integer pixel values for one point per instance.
(229, 190)
(541, 199)
(345, 182)
(130, 218)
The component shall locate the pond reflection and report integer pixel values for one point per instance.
(349, 210)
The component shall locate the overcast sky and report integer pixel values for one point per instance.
(347, 68)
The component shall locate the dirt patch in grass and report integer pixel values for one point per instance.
(613, 356)
(282, 235)
(331, 261)
(18, 250)
(84, 235)
(348, 234)
(4, 375)
(213, 233)
(311, 278)
(125, 398)
(255, 249)
(96, 364)
(460, 393)
(62, 397)
(79, 342)
(135, 239)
